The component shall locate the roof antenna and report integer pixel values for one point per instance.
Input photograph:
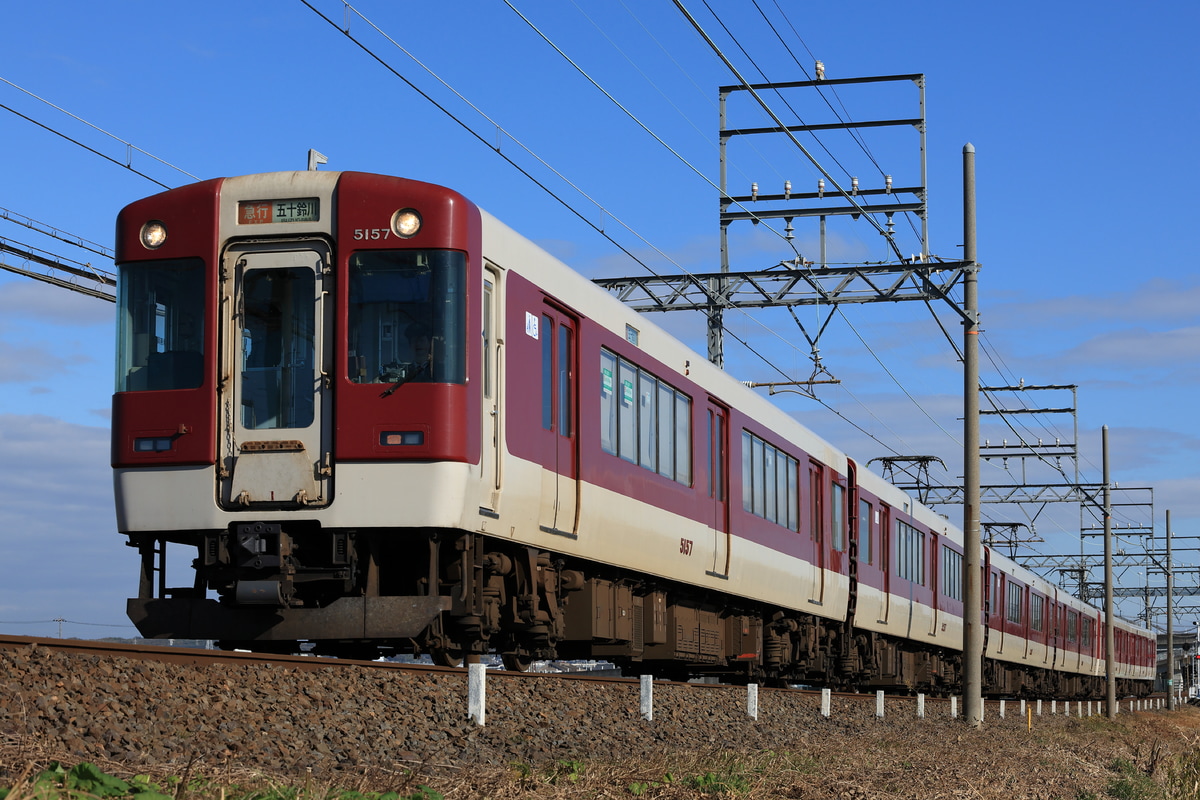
(315, 158)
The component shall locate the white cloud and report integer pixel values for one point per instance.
(21, 363)
(1156, 302)
(32, 299)
(58, 539)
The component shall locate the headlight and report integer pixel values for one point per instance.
(154, 233)
(406, 222)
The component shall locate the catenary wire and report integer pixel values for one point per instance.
(101, 130)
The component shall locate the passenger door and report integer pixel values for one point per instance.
(274, 386)
(717, 456)
(818, 520)
(560, 441)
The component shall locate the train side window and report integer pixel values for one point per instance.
(1016, 599)
(769, 488)
(563, 368)
(647, 412)
(952, 573)
(866, 553)
(627, 413)
(1037, 612)
(769, 507)
(488, 351)
(793, 494)
(716, 455)
(816, 487)
(645, 420)
(837, 515)
(910, 553)
(666, 431)
(683, 439)
(608, 402)
(547, 372)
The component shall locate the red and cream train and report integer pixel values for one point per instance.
(385, 422)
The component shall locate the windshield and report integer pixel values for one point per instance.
(160, 325)
(278, 348)
(407, 316)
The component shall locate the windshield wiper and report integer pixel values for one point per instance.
(405, 379)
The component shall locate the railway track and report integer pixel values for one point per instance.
(199, 657)
(192, 656)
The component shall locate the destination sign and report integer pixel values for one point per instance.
(263, 212)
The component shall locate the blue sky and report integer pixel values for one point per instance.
(1083, 120)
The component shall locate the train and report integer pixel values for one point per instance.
(386, 423)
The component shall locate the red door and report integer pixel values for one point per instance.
(560, 442)
(717, 457)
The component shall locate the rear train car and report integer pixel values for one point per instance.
(384, 422)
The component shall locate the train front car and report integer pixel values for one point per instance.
(292, 402)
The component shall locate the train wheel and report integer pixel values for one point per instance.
(516, 661)
(451, 656)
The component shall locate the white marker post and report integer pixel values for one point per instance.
(648, 698)
(477, 693)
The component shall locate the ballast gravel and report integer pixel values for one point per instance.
(338, 720)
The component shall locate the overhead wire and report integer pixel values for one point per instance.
(775, 118)
(635, 118)
(687, 74)
(130, 146)
(441, 107)
(558, 174)
(56, 233)
(763, 75)
(746, 85)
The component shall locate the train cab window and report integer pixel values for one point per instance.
(160, 325)
(407, 316)
(278, 348)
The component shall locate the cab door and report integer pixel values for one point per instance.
(491, 460)
(274, 388)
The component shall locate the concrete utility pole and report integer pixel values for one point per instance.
(1110, 636)
(972, 547)
(1170, 621)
